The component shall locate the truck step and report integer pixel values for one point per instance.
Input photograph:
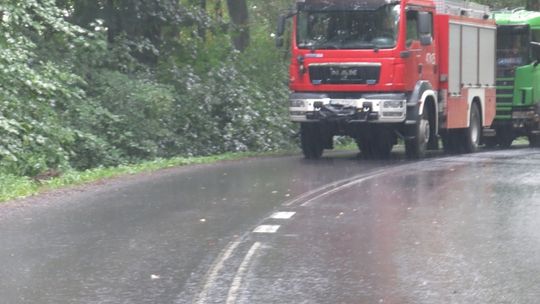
(489, 132)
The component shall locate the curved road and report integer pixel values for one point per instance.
(457, 229)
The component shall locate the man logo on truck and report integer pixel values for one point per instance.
(343, 73)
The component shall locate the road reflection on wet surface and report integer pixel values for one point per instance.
(461, 229)
(456, 230)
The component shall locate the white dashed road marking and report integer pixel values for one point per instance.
(266, 229)
(282, 215)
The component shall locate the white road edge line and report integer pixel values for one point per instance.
(214, 271)
(237, 282)
(331, 186)
(358, 181)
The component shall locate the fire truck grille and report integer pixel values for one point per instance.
(344, 74)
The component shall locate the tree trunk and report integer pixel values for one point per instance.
(218, 10)
(533, 5)
(202, 28)
(238, 12)
(111, 21)
(85, 12)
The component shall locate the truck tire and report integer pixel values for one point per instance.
(384, 148)
(377, 143)
(311, 141)
(451, 141)
(415, 148)
(365, 146)
(379, 148)
(505, 137)
(473, 134)
(490, 142)
(534, 140)
(384, 143)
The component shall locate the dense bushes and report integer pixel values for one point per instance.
(33, 89)
(72, 97)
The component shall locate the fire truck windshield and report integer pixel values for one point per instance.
(358, 29)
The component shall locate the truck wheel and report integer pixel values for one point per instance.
(534, 140)
(384, 149)
(384, 142)
(505, 137)
(490, 142)
(379, 145)
(473, 133)
(375, 149)
(416, 148)
(450, 141)
(311, 141)
(366, 147)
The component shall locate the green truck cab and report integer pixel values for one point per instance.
(518, 78)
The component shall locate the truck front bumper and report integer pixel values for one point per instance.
(528, 114)
(527, 117)
(366, 108)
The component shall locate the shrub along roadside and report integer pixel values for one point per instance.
(76, 94)
(15, 187)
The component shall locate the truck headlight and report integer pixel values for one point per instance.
(393, 104)
(297, 103)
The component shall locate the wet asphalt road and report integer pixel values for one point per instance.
(458, 229)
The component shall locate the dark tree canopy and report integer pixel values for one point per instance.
(499, 4)
(533, 5)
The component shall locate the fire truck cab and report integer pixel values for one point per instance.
(379, 70)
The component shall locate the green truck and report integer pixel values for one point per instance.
(518, 78)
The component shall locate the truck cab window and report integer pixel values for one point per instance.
(513, 49)
(412, 27)
(535, 35)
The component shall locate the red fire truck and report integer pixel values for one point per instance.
(380, 70)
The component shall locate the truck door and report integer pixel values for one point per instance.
(423, 57)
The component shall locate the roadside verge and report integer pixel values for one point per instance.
(16, 187)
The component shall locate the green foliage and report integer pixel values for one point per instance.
(12, 186)
(500, 4)
(33, 88)
(85, 84)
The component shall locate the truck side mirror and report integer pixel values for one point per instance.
(426, 40)
(425, 28)
(535, 46)
(282, 21)
(279, 42)
(280, 30)
(281, 25)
